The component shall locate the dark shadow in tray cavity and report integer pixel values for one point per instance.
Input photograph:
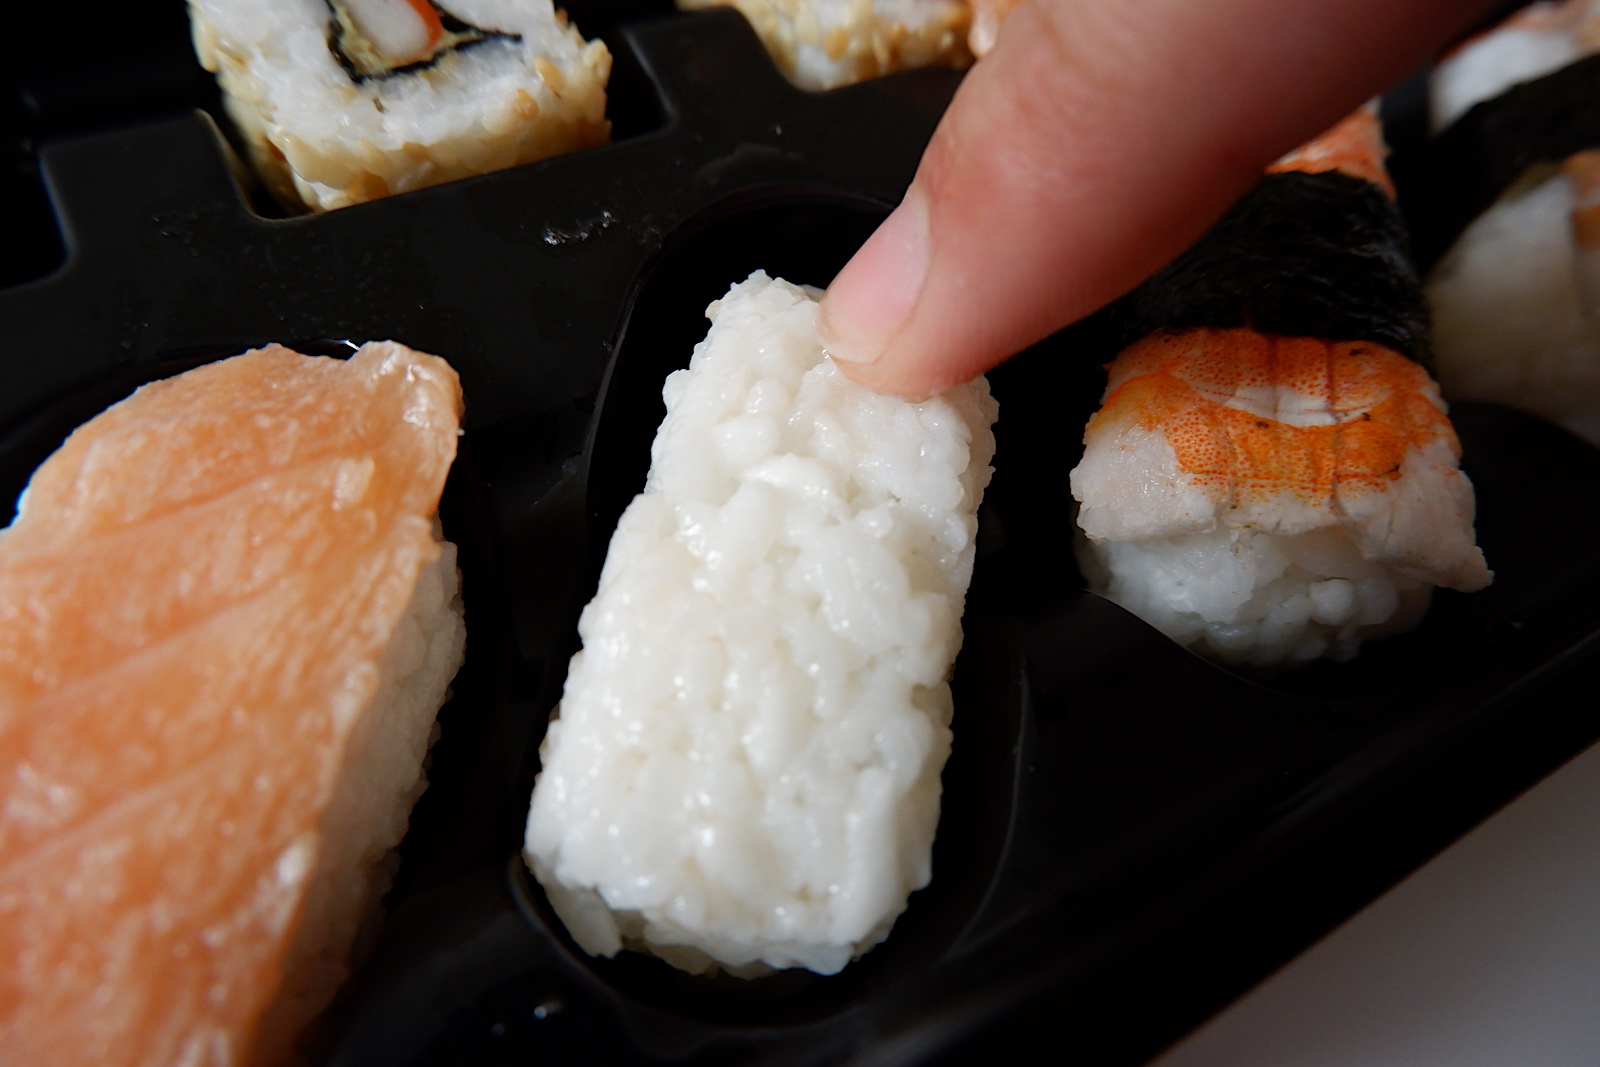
(33, 243)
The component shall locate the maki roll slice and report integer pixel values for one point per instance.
(343, 101)
(1272, 477)
(1507, 200)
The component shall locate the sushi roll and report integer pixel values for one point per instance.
(823, 44)
(343, 101)
(1516, 295)
(1271, 476)
(743, 772)
(227, 620)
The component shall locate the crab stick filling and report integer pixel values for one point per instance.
(399, 31)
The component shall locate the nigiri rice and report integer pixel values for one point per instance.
(744, 769)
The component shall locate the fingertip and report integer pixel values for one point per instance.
(916, 371)
(887, 376)
(875, 294)
(910, 380)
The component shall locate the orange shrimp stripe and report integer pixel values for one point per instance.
(1197, 389)
(1354, 146)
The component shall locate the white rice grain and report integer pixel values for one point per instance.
(1263, 599)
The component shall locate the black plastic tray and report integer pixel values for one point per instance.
(1131, 836)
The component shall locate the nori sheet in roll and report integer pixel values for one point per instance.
(1309, 255)
(1456, 177)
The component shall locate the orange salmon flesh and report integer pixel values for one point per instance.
(195, 606)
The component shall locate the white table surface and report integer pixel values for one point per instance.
(1489, 956)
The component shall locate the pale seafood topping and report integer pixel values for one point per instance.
(400, 31)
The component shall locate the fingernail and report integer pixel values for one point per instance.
(874, 295)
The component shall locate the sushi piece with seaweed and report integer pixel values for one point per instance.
(343, 101)
(1272, 477)
(1507, 199)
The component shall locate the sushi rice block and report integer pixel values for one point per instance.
(1268, 499)
(343, 101)
(824, 44)
(226, 623)
(1516, 299)
(744, 768)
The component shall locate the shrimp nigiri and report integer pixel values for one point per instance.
(1269, 495)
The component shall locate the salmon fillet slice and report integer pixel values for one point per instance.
(226, 623)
